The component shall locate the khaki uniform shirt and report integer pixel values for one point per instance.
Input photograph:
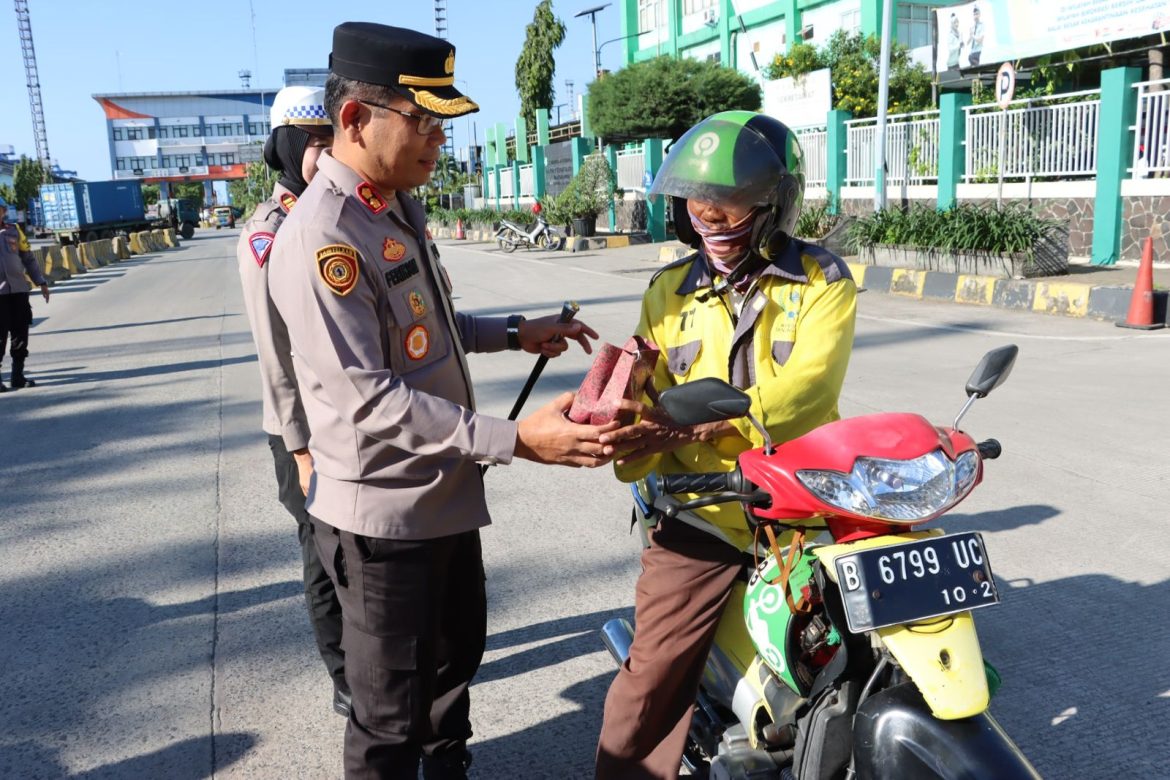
(380, 360)
(283, 413)
(16, 259)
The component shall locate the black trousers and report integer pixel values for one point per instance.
(15, 319)
(320, 595)
(415, 617)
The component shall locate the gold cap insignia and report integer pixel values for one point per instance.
(449, 65)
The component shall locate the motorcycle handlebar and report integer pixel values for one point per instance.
(990, 449)
(704, 482)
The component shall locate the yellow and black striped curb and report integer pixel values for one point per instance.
(1068, 299)
(573, 244)
(62, 262)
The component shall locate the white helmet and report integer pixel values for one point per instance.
(300, 106)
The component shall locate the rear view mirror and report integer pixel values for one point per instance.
(703, 401)
(992, 371)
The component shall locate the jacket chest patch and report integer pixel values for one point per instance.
(401, 273)
(288, 200)
(417, 303)
(418, 342)
(392, 250)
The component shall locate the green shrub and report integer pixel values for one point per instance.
(964, 228)
(816, 220)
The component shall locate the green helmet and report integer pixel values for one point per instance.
(738, 158)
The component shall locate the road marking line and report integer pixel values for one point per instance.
(1007, 333)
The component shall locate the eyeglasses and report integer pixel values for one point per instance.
(427, 123)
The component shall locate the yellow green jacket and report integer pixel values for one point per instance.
(788, 350)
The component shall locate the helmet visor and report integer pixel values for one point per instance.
(722, 162)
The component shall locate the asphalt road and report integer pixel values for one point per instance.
(152, 619)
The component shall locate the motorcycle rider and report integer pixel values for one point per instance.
(774, 316)
(301, 130)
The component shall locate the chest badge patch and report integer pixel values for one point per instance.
(287, 201)
(260, 244)
(393, 251)
(418, 342)
(370, 198)
(418, 304)
(338, 266)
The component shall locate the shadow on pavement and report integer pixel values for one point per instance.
(580, 636)
(54, 378)
(133, 324)
(190, 759)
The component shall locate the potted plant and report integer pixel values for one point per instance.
(588, 194)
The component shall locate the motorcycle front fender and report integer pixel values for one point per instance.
(896, 736)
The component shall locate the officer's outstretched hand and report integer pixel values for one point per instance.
(656, 432)
(546, 336)
(548, 436)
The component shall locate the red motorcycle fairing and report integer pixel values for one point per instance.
(835, 447)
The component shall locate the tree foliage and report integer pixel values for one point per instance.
(536, 65)
(664, 97)
(150, 194)
(255, 188)
(27, 178)
(9, 196)
(854, 61)
(190, 189)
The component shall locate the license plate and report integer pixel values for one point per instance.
(912, 581)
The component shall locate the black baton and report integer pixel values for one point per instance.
(568, 311)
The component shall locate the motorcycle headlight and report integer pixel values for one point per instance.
(899, 490)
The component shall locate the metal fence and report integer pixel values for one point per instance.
(911, 149)
(506, 189)
(1151, 147)
(489, 192)
(814, 142)
(631, 168)
(526, 181)
(1037, 137)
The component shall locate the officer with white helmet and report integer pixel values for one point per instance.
(16, 260)
(301, 130)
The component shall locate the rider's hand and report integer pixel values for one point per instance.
(656, 432)
(45, 292)
(548, 436)
(546, 336)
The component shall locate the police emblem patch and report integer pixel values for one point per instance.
(418, 343)
(337, 265)
(260, 244)
(370, 198)
(393, 251)
(418, 304)
(288, 200)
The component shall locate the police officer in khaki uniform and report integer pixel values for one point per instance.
(301, 130)
(16, 260)
(397, 498)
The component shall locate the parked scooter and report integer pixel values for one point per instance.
(857, 657)
(541, 235)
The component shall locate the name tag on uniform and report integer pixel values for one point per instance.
(401, 273)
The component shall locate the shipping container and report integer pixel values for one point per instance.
(82, 207)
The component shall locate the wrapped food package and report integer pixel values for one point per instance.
(616, 373)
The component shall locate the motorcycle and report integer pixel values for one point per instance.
(856, 657)
(541, 235)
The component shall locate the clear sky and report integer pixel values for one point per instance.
(95, 46)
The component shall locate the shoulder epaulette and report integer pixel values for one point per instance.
(682, 261)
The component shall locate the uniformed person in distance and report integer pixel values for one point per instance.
(397, 499)
(16, 259)
(301, 130)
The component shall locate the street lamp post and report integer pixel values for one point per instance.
(613, 40)
(592, 14)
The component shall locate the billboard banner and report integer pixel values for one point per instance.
(800, 101)
(987, 32)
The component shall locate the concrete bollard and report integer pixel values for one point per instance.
(70, 260)
(121, 246)
(136, 244)
(170, 239)
(50, 260)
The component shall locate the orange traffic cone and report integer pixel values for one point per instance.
(459, 234)
(1141, 305)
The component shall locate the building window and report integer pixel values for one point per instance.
(227, 159)
(851, 21)
(914, 25)
(133, 133)
(151, 133)
(119, 135)
(164, 131)
(651, 15)
(182, 131)
(696, 6)
(120, 163)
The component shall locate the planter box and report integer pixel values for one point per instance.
(1050, 258)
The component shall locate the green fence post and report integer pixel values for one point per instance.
(538, 171)
(611, 158)
(837, 162)
(952, 160)
(516, 182)
(1114, 152)
(656, 208)
(580, 150)
(496, 173)
(542, 127)
(521, 139)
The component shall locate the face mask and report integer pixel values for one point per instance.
(725, 243)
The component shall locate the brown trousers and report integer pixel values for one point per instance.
(686, 578)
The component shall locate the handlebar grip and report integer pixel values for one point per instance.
(704, 482)
(990, 449)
